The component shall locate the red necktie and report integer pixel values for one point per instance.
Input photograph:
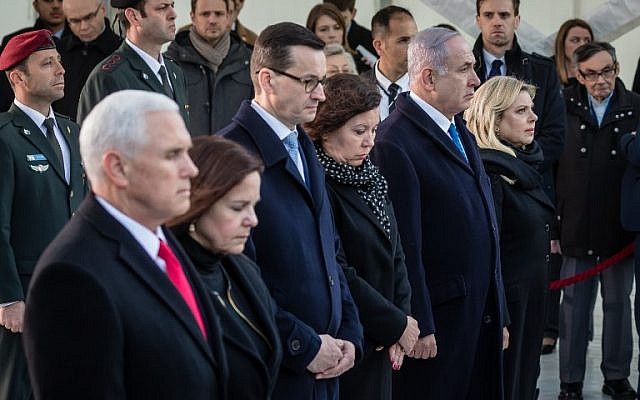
(178, 278)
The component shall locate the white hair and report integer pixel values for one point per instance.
(119, 123)
(428, 49)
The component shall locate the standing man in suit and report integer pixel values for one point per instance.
(42, 185)
(393, 27)
(296, 243)
(138, 63)
(447, 223)
(115, 309)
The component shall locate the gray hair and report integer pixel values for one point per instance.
(335, 49)
(428, 49)
(119, 123)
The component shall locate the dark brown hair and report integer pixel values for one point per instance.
(516, 7)
(347, 95)
(381, 19)
(222, 164)
(330, 11)
(343, 5)
(561, 36)
(588, 50)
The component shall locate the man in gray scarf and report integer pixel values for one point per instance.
(215, 64)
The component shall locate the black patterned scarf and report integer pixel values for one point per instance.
(366, 179)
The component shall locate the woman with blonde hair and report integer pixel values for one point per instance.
(502, 119)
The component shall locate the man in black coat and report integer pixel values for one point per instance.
(296, 244)
(447, 223)
(91, 42)
(138, 63)
(42, 186)
(599, 111)
(115, 309)
(51, 17)
(215, 65)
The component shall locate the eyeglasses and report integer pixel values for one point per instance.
(607, 73)
(310, 84)
(86, 18)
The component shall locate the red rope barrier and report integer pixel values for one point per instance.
(595, 270)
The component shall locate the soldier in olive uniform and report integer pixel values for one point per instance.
(42, 185)
(138, 63)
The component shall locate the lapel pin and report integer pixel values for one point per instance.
(40, 167)
(175, 76)
(145, 76)
(68, 130)
(26, 131)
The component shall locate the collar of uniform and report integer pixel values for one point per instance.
(153, 64)
(434, 114)
(280, 129)
(35, 116)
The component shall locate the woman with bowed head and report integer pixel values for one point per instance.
(344, 131)
(213, 233)
(502, 119)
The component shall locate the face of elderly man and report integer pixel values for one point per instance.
(598, 74)
(158, 177)
(453, 90)
(85, 17)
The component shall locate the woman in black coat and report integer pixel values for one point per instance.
(502, 119)
(213, 233)
(344, 131)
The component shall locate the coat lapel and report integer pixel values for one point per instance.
(147, 76)
(136, 259)
(32, 133)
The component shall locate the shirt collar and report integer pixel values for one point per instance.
(489, 59)
(153, 64)
(35, 116)
(435, 115)
(383, 81)
(149, 240)
(280, 129)
(600, 104)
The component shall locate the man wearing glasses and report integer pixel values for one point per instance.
(295, 243)
(599, 112)
(91, 42)
(137, 63)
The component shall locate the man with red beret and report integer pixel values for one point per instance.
(138, 63)
(42, 185)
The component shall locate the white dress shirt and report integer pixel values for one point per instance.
(383, 88)
(153, 64)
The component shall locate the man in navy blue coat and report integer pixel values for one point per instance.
(448, 227)
(295, 243)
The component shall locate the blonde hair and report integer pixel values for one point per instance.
(489, 103)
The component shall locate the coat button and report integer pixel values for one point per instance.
(616, 130)
(583, 150)
(71, 194)
(613, 152)
(590, 252)
(547, 258)
(295, 345)
(546, 227)
(630, 113)
(583, 127)
(486, 319)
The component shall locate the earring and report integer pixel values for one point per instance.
(497, 131)
(192, 227)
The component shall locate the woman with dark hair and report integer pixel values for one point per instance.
(326, 21)
(502, 120)
(344, 131)
(571, 35)
(213, 233)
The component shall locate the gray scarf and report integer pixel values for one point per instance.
(213, 54)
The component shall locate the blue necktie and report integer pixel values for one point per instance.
(455, 136)
(291, 144)
(495, 69)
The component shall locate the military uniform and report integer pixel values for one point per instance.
(35, 203)
(124, 69)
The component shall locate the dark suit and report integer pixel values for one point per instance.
(104, 322)
(295, 244)
(359, 35)
(124, 69)
(447, 223)
(35, 203)
(379, 285)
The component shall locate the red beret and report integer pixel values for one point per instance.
(23, 45)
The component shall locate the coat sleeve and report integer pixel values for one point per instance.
(630, 148)
(552, 120)
(404, 190)
(97, 87)
(79, 331)
(10, 286)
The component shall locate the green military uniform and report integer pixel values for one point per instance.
(35, 203)
(124, 69)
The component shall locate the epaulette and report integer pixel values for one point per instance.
(5, 118)
(540, 57)
(109, 64)
(62, 116)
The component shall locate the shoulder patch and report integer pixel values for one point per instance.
(111, 62)
(62, 116)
